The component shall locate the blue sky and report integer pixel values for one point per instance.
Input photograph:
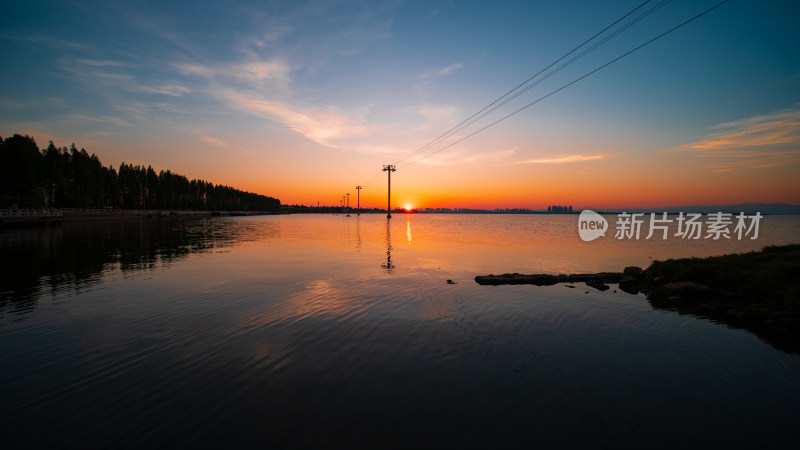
(304, 100)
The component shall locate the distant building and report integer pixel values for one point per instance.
(559, 209)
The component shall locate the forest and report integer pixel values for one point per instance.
(71, 178)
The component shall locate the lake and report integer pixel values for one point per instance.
(302, 331)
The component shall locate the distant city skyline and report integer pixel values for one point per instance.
(303, 101)
(747, 208)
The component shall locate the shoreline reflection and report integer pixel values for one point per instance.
(69, 258)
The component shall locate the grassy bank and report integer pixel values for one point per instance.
(764, 283)
(758, 291)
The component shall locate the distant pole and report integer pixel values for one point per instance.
(389, 168)
(348, 202)
(343, 204)
(358, 190)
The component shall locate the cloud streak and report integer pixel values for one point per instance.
(262, 75)
(263, 88)
(103, 119)
(326, 128)
(564, 159)
(112, 74)
(212, 140)
(464, 157)
(45, 40)
(758, 142)
(427, 78)
(449, 69)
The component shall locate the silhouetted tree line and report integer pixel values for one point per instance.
(71, 178)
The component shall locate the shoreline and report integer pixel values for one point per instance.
(44, 217)
(758, 291)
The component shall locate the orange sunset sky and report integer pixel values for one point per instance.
(305, 100)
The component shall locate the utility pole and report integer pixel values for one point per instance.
(358, 190)
(348, 203)
(343, 204)
(389, 168)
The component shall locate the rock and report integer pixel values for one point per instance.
(686, 286)
(597, 284)
(630, 285)
(632, 271)
(683, 291)
(451, 282)
(547, 279)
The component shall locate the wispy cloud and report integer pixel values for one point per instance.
(463, 157)
(436, 113)
(204, 136)
(764, 161)
(449, 69)
(435, 117)
(327, 128)
(263, 88)
(428, 77)
(196, 70)
(45, 41)
(115, 75)
(98, 62)
(212, 140)
(269, 37)
(563, 159)
(102, 119)
(172, 90)
(271, 75)
(757, 142)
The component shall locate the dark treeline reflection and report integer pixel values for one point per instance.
(42, 261)
(71, 178)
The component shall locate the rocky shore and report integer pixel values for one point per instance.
(758, 291)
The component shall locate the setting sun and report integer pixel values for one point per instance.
(409, 207)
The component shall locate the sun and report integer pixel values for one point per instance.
(409, 207)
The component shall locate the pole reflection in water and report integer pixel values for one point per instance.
(388, 265)
(358, 233)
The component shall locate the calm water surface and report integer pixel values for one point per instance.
(331, 331)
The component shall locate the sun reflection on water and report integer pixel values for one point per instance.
(408, 228)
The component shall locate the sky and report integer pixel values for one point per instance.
(304, 100)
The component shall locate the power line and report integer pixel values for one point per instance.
(373, 179)
(562, 66)
(571, 82)
(472, 119)
(469, 119)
